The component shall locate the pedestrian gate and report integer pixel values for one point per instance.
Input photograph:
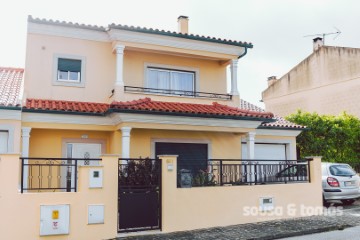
(139, 195)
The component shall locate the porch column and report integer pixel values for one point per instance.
(125, 150)
(250, 144)
(119, 49)
(233, 70)
(25, 138)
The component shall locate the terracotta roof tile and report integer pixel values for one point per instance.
(214, 109)
(66, 106)
(10, 86)
(280, 121)
(147, 105)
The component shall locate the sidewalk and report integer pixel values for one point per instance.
(268, 230)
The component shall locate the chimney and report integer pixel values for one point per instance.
(317, 43)
(183, 24)
(271, 80)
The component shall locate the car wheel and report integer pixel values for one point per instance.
(325, 203)
(348, 201)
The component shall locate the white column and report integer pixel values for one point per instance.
(119, 49)
(125, 142)
(25, 138)
(233, 70)
(250, 144)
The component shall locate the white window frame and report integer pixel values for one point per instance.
(68, 82)
(170, 68)
(10, 141)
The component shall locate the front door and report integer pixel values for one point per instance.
(79, 151)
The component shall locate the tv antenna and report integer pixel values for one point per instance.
(323, 35)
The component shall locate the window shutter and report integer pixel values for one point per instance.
(70, 65)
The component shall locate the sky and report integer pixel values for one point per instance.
(276, 28)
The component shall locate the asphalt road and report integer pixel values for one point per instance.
(352, 233)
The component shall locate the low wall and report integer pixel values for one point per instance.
(202, 207)
(20, 213)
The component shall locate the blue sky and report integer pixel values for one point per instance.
(275, 27)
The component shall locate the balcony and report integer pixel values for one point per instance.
(180, 93)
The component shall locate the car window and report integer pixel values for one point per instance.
(295, 170)
(341, 170)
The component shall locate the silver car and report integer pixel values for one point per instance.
(339, 182)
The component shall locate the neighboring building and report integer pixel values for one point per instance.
(92, 92)
(11, 80)
(326, 82)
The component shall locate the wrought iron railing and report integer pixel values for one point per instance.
(51, 174)
(178, 93)
(230, 172)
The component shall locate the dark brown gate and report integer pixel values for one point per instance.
(139, 195)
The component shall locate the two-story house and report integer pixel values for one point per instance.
(140, 92)
(91, 94)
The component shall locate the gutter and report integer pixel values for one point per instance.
(242, 55)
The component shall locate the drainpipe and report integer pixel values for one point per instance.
(243, 53)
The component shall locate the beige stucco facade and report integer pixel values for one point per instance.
(326, 82)
(112, 59)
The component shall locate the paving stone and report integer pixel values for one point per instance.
(268, 230)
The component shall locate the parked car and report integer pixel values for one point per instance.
(339, 182)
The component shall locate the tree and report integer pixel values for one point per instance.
(335, 138)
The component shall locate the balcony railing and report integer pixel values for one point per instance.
(178, 93)
(230, 172)
(52, 174)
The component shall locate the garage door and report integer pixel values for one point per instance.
(191, 156)
(267, 151)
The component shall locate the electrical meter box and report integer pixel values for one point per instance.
(95, 178)
(54, 219)
(266, 203)
(95, 214)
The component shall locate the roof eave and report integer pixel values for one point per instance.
(189, 114)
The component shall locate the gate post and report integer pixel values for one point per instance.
(109, 191)
(168, 188)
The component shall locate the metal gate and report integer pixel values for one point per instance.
(139, 195)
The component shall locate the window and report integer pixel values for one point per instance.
(4, 136)
(69, 70)
(169, 79)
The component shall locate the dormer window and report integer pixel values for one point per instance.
(69, 70)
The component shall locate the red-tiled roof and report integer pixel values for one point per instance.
(280, 121)
(147, 105)
(10, 85)
(214, 109)
(66, 106)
